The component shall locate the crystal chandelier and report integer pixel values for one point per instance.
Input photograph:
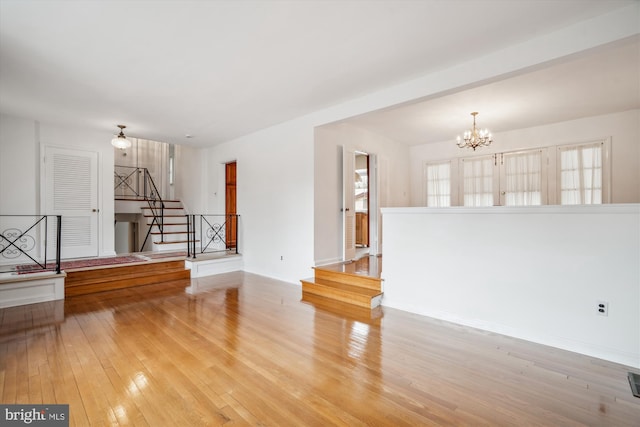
(120, 141)
(475, 138)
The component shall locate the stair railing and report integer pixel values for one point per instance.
(212, 233)
(137, 184)
(25, 238)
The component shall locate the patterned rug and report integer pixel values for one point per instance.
(78, 263)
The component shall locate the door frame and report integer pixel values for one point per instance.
(374, 200)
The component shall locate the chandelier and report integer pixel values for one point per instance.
(121, 141)
(475, 138)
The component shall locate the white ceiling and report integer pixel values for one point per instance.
(218, 70)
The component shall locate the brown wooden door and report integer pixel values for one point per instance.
(230, 205)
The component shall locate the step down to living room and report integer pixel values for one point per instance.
(91, 280)
(347, 283)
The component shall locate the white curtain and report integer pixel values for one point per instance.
(581, 174)
(523, 177)
(478, 181)
(439, 184)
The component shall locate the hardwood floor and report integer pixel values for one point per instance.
(244, 350)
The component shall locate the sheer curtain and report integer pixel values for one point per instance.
(478, 181)
(581, 174)
(439, 184)
(523, 176)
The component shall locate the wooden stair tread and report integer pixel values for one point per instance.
(350, 311)
(169, 232)
(82, 282)
(91, 288)
(142, 199)
(118, 269)
(158, 207)
(351, 279)
(175, 241)
(171, 216)
(129, 276)
(343, 287)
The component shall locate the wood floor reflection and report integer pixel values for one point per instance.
(240, 349)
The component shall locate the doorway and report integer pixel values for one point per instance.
(361, 198)
(360, 213)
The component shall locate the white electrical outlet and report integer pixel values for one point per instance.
(603, 308)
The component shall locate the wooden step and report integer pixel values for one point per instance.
(165, 208)
(82, 282)
(174, 241)
(371, 316)
(352, 294)
(349, 278)
(158, 233)
(141, 199)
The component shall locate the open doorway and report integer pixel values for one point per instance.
(361, 197)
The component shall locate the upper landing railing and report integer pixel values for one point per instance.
(136, 184)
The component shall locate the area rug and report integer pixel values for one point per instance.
(78, 263)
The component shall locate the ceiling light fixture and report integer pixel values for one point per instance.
(121, 141)
(475, 138)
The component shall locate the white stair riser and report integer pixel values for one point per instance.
(169, 237)
(169, 247)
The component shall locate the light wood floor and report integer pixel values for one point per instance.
(244, 350)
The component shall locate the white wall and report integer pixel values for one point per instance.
(189, 185)
(393, 186)
(20, 144)
(534, 273)
(19, 170)
(622, 128)
(274, 198)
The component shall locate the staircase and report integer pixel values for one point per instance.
(87, 281)
(174, 235)
(337, 283)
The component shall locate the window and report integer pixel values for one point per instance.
(521, 178)
(580, 169)
(438, 176)
(570, 174)
(477, 181)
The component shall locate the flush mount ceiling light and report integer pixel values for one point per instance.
(121, 141)
(475, 138)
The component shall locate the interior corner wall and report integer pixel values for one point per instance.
(274, 198)
(393, 188)
(623, 129)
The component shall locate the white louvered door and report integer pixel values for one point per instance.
(71, 190)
